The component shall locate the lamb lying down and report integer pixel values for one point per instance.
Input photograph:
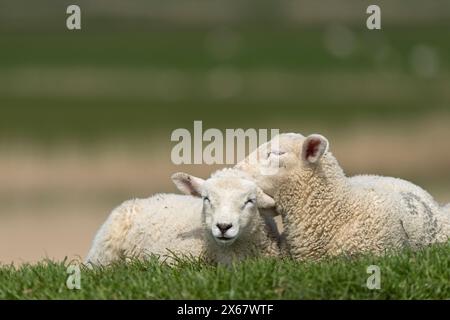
(218, 219)
(233, 227)
(326, 213)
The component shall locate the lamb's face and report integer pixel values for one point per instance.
(277, 159)
(230, 202)
(270, 164)
(229, 208)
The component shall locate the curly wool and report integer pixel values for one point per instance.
(327, 214)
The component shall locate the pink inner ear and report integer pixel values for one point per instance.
(192, 191)
(312, 148)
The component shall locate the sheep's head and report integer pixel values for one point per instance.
(273, 162)
(230, 202)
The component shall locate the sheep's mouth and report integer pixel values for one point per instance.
(225, 240)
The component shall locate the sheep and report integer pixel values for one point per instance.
(217, 219)
(156, 225)
(326, 214)
(234, 229)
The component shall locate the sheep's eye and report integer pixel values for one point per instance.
(206, 200)
(250, 202)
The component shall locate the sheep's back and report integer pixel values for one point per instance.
(167, 223)
(414, 209)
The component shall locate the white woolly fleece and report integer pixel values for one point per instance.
(155, 225)
(327, 214)
(170, 223)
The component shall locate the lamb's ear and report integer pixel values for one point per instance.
(264, 201)
(314, 147)
(188, 184)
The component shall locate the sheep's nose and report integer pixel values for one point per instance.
(223, 227)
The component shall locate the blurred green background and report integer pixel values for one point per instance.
(140, 66)
(86, 116)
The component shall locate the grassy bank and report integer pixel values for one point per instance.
(409, 275)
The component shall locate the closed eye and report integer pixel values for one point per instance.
(275, 153)
(250, 202)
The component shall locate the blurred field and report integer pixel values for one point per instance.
(86, 116)
(91, 86)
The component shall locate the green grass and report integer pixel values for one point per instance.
(424, 274)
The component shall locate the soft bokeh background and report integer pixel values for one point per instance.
(86, 116)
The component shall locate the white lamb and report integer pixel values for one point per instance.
(233, 227)
(223, 226)
(327, 214)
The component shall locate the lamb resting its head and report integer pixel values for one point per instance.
(326, 213)
(278, 158)
(233, 226)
